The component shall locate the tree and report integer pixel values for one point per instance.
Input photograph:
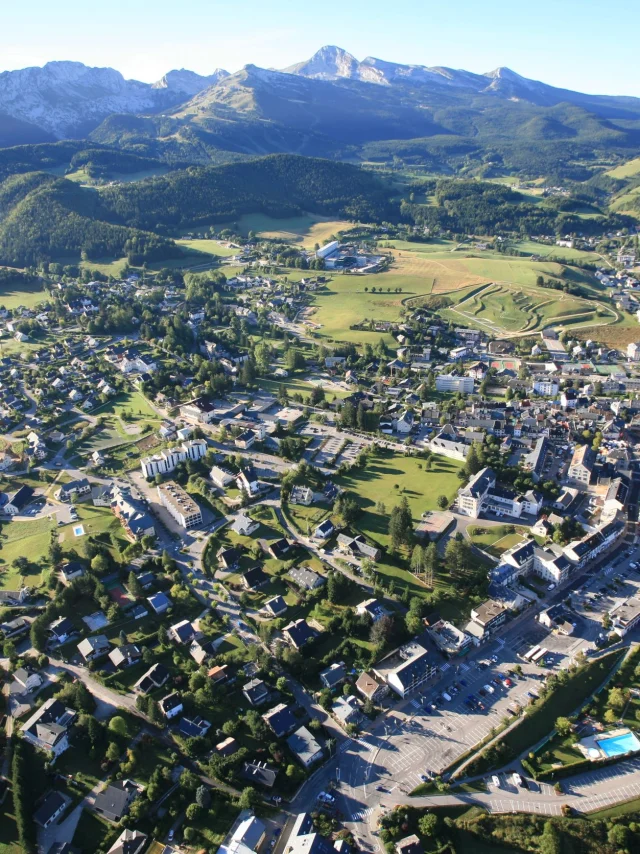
(282, 683)
(616, 699)
(550, 842)
(249, 798)
(563, 726)
(135, 588)
(118, 725)
(427, 824)
(442, 502)
(401, 525)
(100, 564)
(381, 630)
(203, 797)
(610, 716)
(113, 752)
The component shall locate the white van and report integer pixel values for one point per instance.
(496, 781)
(489, 688)
(446, 696)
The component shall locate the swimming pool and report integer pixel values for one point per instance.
(619, 744)
(78, 530)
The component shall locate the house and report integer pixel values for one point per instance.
(358, 547)
(582, 464)
(125, 655)
(276, 606)
(255, 578)
(74, 489)
(155, 677)
(281, 720)
(218, 673)
(324, 530)
(301, 495)
(406, 669)
(94, 647)
(409, 845)
(220, 477)
(114, 801)
(299, 632)
(244, 525)
(372, 687)
(227, 747)
(256, 692)
(50, 810)
(374, 608)
(17, 500)
(171, 705)
(259, 773)
(245, 440)
(247, 837)
(129, 842)
(229, 558)
(12, 629)
(306, 579)
(193, 727)
(48, 727)
(27, 680)
(182, 632)
(201, 652)
(305, 747)
(347, 710)
(278, 549)
(159, 602)
(247, 480)
(334, 674)
(62, 629)
(72, 569)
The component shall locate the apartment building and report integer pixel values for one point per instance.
(180, 504)
(167, 460)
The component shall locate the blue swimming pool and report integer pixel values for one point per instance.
(619, 744)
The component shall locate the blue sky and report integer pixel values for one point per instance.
(588, 45)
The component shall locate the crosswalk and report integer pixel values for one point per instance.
(350, 742)
(415, 704)
(464, 667)
(366, 744)
(444, 667)
(358, 815)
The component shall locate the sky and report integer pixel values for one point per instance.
(575, 44)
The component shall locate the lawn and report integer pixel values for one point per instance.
(389, 477)
(92, 832)
(129, 403)
(98, 522)
(496, 541)
(24, 539)
(301, 386)
(13, 295)
(114, 267)
(205, 246)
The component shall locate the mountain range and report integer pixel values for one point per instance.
(331, 105)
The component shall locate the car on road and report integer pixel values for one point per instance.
(171, 835)
(494, 658)
(424, 778)
(447, 697)
(489, 688)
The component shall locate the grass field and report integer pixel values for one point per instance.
(23, 539)
(113, 268)
(509, 308)
(301, 386)
(306, 230)
(390, 477)
(495, 541)
(626, 170)
(13, 295)
(208, 247)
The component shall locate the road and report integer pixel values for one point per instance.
(107, 700)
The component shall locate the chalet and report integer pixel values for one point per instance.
(113, 802)
(94, 647)
(48, 727)
(171, 705)
(255, 578)
(299, 632)
(125, 655)
(281, 720)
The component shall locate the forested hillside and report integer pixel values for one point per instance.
(279, 185)
(43, 218)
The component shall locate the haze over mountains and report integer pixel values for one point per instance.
(331, 105)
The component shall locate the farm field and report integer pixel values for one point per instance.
(557, 252)
(625, 170)
(208, 247)
(113, 267)
(308, 229)
(13, 295)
